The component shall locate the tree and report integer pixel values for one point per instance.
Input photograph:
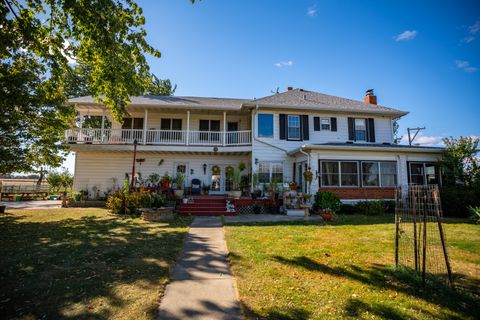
(460, 163)
(45, 46)
(159, 87)
(396, 127)
(54, 179)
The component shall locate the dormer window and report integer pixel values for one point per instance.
(293, 127)
(360, 130)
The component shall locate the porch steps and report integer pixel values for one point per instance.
(206, 206)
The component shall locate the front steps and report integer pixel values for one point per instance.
(205, 206)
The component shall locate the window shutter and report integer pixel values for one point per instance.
(282, 123)
(316, 123)
(351, 129)
(371, 130)
(305, 128)
(333, 124)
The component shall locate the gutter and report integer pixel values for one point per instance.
(367, 148)
(305, 153)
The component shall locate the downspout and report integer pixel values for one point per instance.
(261, 141)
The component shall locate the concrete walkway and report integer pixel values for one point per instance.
(269, 218)
(202, 285)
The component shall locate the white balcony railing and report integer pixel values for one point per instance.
(158, 137)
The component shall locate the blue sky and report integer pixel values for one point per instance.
(419, 56)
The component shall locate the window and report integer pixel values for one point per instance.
(360, 130)
(293, 127)
(330, 171)
(349, 173)
(325, 124)
(265, 125)
(379, 174)
(269, 171)
(213, 130)
(424, 173)
(171, 124)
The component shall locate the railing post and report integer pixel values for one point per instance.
(224, 128)
(187, 141)
(145, 123)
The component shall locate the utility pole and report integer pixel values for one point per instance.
(416, 130)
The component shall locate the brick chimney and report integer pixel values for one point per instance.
(370, 97)
(289, 88)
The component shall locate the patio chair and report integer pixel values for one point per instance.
(196, 186)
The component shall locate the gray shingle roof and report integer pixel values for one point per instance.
(172, 101)
(304, 99)
(296, 99)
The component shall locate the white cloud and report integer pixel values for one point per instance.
(465, 66)
(282, 64)
(427, 141)
(472, 32)
(312, 11)
(406, 35)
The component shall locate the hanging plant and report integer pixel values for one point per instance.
(216, 170)
(308, 175)
(241, 166)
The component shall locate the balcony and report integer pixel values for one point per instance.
(158, 137)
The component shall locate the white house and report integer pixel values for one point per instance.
(347, 144)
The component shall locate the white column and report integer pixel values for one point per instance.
(103, 124)
(145, 123)
(224, 127)
(188, 127)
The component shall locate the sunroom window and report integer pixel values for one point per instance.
(270, 171)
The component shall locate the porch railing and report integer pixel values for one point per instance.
(158, 137)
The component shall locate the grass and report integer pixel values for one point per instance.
(345, 270)
(84, 264)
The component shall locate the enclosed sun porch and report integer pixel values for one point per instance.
(155, 125)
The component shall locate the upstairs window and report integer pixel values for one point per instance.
(265, 125)
(293, 124)
(360, 130)
(325, 124)
(171, 124)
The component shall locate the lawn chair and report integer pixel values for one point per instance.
(196, 186)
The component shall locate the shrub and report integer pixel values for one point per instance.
(389, 206)
(121, 202)
(457, 199)
(327, 200)
(348, 209)
(371, 208)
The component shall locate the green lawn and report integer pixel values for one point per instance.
(83, 263)
(345, 270)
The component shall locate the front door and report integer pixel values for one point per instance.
(221, 178)
(216, 182)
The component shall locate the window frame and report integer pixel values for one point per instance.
(424, 175)
(299, 127)
(262, 115)
(360, 173)
(329, 124)
(170, 125)
(270, 166)
(357, 130)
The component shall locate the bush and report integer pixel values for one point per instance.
(122, 202)
(327, 200)
(457, 199)
(370, 208)
(348, 209)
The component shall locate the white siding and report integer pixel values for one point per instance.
(106, 170)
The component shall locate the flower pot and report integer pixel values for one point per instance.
(185, 200)
(327, 216)
(178, 193)
(236, 194)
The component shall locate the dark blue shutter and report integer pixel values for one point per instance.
(316, 123)
(351, 129)
(333, 124)
(283, 125)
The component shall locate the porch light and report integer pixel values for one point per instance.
(204, 168)
(256, 160)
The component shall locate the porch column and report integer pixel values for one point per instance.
(188, 128)
(103, 125)
(145, 123)
(224, 128)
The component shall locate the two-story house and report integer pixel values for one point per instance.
(347, 144)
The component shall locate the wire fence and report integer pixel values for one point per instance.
(420, 241)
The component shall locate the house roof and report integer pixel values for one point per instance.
(368, 147)
(171, 101)
(310, 100)
(291, 99)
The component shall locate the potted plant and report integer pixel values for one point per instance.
(236, 178)
(241, 166)
(327, 203)
(165, 181)
(179, 180)
(257, 192)
(154, 178)
(205, 189)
